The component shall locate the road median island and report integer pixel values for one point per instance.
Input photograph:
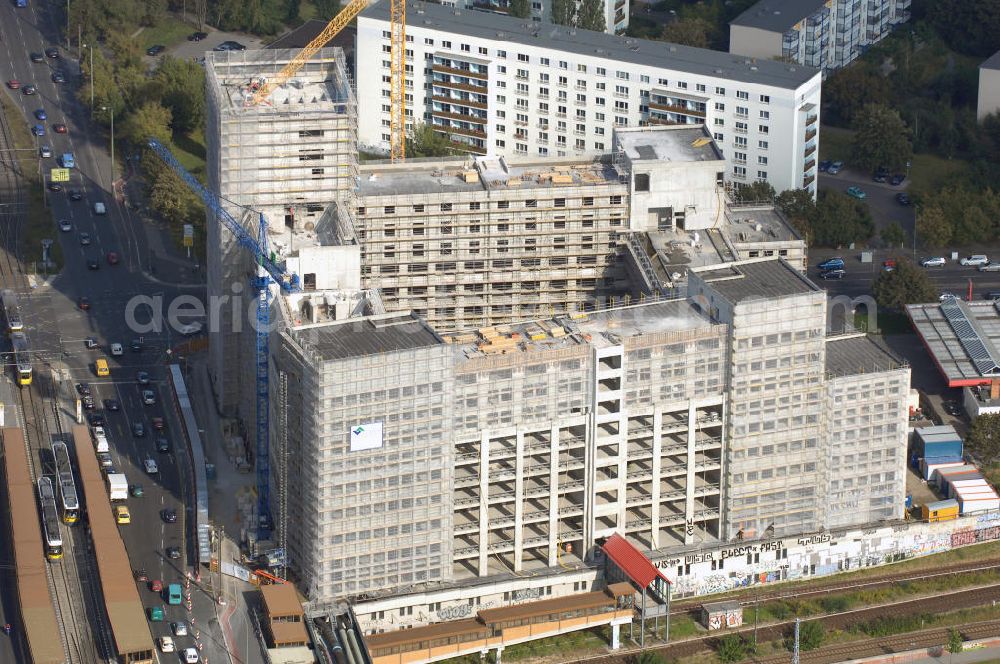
(38, 221)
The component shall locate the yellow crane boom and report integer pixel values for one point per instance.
(398, 57)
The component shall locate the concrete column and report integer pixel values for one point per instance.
(689, 497)
(553, 495)
(518, 500)
(622, 467)
(616, 642)
(484, 509)
(654, 508)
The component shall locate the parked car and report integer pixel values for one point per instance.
(166, 644)
(903, 198)
(889, 264)
(992, 267)
(29, 90)
(179, 628)
(83, 302)
(156, 586)
(52, 52)
(140, 575)
(58, 77)
(881, 175)
(897, 179)
(197, 36)
(835, 167)
(833, 274)
(947, 296)
(230, 45)
(857, 192)
(45, 152)
(936, 261)
(975, 259)
(37, 57)
(824, 165)
(836, 263)
(155, 50)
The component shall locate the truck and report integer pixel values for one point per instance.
(117, 486)
(101, 443)
(67, 160)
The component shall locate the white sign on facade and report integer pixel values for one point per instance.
(366, 436)
(237, 571)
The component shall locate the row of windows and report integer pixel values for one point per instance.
(500, 205)
(580, 68)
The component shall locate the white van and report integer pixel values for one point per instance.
(100, 209)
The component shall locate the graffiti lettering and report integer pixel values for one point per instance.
(454, 612)
(666, 564)
(964, 537)
(526, 593)
(818, 538)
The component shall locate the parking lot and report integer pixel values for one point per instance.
(880, 197)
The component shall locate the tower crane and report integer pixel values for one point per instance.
(268, 271)
(397, 57)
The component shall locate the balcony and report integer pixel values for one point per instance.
(458, 101)
(810, 135)
(808, 166)
(459, 116)
(811, 120)
(459, 72)
(460, 130)
(740, 130)
(653, 120)
(543, 96)
(480, 89)
(808, 180)
(809, 150)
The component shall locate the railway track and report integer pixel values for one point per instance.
(76, 604)
(951, 601)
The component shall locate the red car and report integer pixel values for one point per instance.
(83, 302)
(112, 258)
(156, 586)
(14, 84)
(159, 424)
(59, 128)
(889, 265)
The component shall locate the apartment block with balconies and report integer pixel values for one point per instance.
(826, 34)
(500, 86)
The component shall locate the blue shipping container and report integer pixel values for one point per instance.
(942, 448)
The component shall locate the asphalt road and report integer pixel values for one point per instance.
(57, 326)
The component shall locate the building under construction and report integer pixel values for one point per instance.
(414, 456)
(292, 157)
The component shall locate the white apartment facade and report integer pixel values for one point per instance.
(501, 86)
(826, 34)
(616, 12)
(989, 87)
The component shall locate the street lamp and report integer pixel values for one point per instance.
(111, 112)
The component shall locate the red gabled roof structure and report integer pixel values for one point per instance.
(632, 561)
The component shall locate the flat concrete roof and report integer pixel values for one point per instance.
(611, 48)
(944, 342)
(600, 328)
(370, 335)
(486, 173)
(854, 354)
(992, 62)
(756, 279)
(778, 15)
(679, 143)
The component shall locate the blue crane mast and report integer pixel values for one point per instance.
(268, 270)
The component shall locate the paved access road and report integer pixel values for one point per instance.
(58, 327)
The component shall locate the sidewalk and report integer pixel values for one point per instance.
(231, 498)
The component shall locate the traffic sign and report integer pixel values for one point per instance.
(188, 235)
(59, 175)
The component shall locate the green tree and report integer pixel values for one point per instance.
(423, 141)
(731, 649)
(847, 91)
(182, 86)
(326, 9)
(520, 8)
(149, 120)
(811, 635)
(968, 27)
(799, 208)
(934, 228)
(881, 139)
(983, 439)
(563, 11)
(955, 641)
(689, 32)
(840, 220)
(292, 14)
(591, 16)
(755, 192)
(907, 284)
(893, 235)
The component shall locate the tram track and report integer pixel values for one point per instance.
(63, 578)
